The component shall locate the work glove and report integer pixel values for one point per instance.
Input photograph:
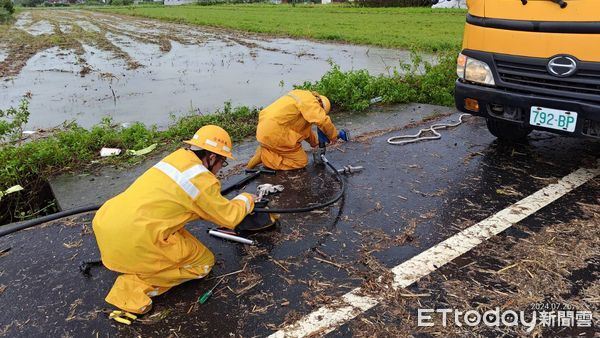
(343, 134)
(267, 189)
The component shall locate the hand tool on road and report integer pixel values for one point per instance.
(209, 293)
(347, 170)
(230, 235)
(122, 317)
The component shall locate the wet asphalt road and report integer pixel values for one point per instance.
(408, 199)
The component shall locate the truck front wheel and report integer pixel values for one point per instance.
(507, 131)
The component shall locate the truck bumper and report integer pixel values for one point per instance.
(514, 107)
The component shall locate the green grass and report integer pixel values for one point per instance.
(422, 29)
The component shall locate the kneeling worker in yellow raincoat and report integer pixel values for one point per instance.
(284, 124)
(141, 234)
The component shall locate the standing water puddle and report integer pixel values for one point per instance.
(141, 70)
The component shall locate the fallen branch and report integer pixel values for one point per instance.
(280, 265)
(328, 262)
(506, 268)
(247, 288)
(229, 274)
(415, 294)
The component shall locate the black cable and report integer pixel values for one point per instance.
(10, 228)
(313, 207)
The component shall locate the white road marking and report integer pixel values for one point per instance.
(327, 319)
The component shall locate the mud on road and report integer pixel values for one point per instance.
(81, 65)
(407, 200)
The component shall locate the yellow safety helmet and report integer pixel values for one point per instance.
(324, 101)
(214, 139)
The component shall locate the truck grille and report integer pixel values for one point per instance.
(530, 74)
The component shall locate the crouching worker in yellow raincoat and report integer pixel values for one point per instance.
(284, 124)
(141, 234)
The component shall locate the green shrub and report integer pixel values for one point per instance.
(239, 122)
(121, 2)
(8, 5)
(30, 3)
(5, 16)
(353, 90)
(12, 121)
(436, 86)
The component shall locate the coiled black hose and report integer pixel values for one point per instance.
(312, 207)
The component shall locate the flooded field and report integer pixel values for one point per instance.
(83, 66)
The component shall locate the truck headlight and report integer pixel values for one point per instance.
(474, 70)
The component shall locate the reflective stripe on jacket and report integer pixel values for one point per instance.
(137, 230)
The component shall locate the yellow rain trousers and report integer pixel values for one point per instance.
(283, 125)
(141, 234)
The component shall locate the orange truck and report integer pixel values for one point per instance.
(532, 64)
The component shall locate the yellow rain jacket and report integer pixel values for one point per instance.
(141, 233)
(284, 124)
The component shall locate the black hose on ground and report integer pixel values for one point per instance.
(10, 228)
(13, 227)
(312, 207)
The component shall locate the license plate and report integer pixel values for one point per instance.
(553, 118)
